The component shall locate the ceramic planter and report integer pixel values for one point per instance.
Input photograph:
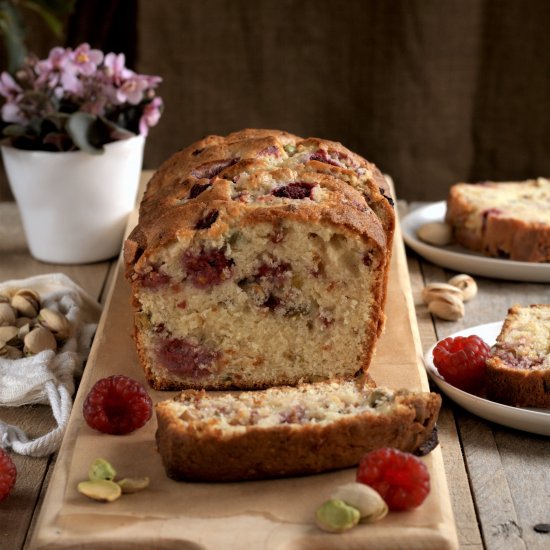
(74, 205)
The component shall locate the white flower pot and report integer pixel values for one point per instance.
(74, 205)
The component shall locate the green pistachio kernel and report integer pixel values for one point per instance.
(335, 516)
(101, 469)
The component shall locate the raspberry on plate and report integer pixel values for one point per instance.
(400, 478)
(117, 405)
(461, 361)
(8, 474)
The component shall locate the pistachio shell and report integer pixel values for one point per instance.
(100, 489)
(432, 291)
(466, 284)
(447, 307)
(26, 301)
(56, 322)
(370, 504)
(10, 352)
(8, 315)
(133, 484)
(8, 334)
(39, 339)
(436, 233)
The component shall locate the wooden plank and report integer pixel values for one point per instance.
(172, 512)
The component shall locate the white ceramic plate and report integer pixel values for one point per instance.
(459, 259)
(529, 420)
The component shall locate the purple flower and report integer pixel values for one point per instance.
(132, 90)
(151, 115)
(115, 69)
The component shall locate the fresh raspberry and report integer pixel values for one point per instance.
(400, 478)
(117, 405)
(8, 475)
(461, 361)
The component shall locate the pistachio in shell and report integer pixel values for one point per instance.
(27, 302)
(55, 322)
(8, 334)
(10, 352)
(8, 315)
(102, 490)
(39, 339)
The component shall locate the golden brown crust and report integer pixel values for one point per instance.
(518, 371)
(499, 220)
(195, 452)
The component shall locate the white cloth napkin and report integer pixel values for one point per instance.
(48, 377)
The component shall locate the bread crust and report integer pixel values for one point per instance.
(503, 220)
(196, 452)
(518, 371)
(219, 185)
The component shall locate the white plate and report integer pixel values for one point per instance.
(529, 420)
(459, 259)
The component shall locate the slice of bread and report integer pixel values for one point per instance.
(518, 371)
(288, 431)
(509, 220)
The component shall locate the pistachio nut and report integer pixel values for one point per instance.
(10, 352)
(103, 490)
(23, 331)
(447, 307)
(370, 504)
(436, 233)
(26, 301)
(101, 469)
(55, 322)
(39, 339)
(5, 298)
(22, 321)
(335, 516)
(8, 334)
(8, 315)
(133, 484)
(466, 284)
(434, 291)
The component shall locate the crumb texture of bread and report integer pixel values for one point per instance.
(502, 219)
(259, 259)
(518, 370)
(287, 431)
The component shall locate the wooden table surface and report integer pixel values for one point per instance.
(499, 478)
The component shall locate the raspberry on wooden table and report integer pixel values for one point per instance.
(400, 478)
(461, 361)
(8, 475)
(117, 405)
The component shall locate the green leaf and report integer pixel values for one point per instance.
(84, 131)
(49, 11)
(12, 29)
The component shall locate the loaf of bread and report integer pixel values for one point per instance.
(288, 431)
(504, 220)
(259, 259)
(518, 371)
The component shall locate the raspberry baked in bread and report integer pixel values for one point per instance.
(518, 371)
(505, 220)
(259, 259)
(288, 431)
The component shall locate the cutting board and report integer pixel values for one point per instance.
(268, 515)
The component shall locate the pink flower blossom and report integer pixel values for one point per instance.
(8, 87)
(151, 115)
(84, 60)
(132, 90)
(114, 68)
(12, 113)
